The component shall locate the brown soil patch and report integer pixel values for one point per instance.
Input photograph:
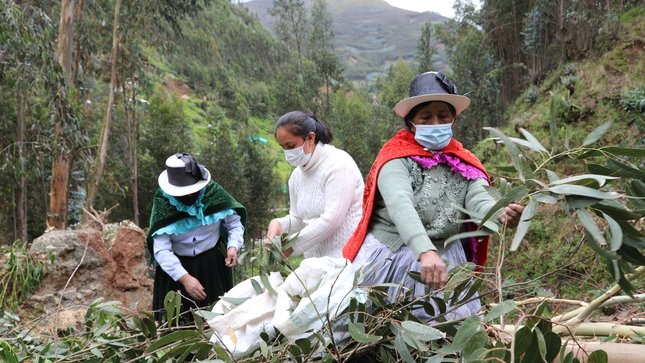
(177, 87)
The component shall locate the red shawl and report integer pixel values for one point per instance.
(400, 146)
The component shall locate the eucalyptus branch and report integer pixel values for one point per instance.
(537, 300)
(612, 301)
(595, 304)
(498, 270)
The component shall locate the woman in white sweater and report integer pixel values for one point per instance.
(325, 188)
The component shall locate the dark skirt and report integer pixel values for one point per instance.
(207, 267)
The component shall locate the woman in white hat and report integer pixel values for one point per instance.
(196, 230)
(418, 178)
(325, 188)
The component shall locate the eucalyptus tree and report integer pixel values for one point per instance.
(323, 52)
(475, 69)
(23, 36)
(292, 25)
(425, 49)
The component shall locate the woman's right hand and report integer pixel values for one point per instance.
(193, 287)
(275, 229)
(433, 270)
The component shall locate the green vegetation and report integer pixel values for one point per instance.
(19, 276)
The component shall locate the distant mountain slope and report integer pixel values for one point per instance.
(369, 34)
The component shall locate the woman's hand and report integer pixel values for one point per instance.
(193, 287)
(275, 229)
(511, 215)
(231, 257)
(433, 270)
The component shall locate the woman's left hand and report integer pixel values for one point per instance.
(231, 257)
(511, 215)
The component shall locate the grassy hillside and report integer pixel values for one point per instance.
(369, 34)
(572, 101)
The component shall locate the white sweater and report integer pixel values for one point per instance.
(325, 199)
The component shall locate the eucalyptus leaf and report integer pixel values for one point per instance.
(539, 338)
(623, 151)
(601, 179)
(569, 189)
(526, 144)
(468, 328)
(615, 233)
(500, 309)
(520, 166)
(545, 198)
(590, 226)
(257, 287)
(532, 139)
(525, 221)
(523, 341)
(599, 169)
(597, 133)
(477, 218)
(598, 356)
(598, 249)
(459, 236)
(176, 336)
(638, 188)
(630, 238)
(553, 344)
(474, 350)
(631, 255)
(265, 281)
(412, 341)
(513, 195)
(357, 332)
(438, 358)
(402, 349)
(578, 202)
(421, 331)
(553, 177)
(618, 211)
(626, 170)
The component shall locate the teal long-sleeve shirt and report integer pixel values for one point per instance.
(415, 206)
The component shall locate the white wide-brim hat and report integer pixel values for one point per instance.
(183, 176)
(431, 86)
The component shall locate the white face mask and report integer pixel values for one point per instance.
(297, 157)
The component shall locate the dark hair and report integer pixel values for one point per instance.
(413, 112)
(302, 123)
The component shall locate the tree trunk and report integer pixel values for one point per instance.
(57, 217)
(21, 198)
(77, 55)
(105, 133)
(132, 132)
(58, 189)
(65, 37)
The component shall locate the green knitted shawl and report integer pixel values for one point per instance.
(215, 199)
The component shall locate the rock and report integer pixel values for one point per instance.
(109, 264)
(68, 249)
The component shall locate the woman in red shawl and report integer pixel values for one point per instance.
(411, 194)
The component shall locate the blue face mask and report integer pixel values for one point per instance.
(433, 137)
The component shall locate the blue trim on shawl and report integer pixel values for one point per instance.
(196, 219)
